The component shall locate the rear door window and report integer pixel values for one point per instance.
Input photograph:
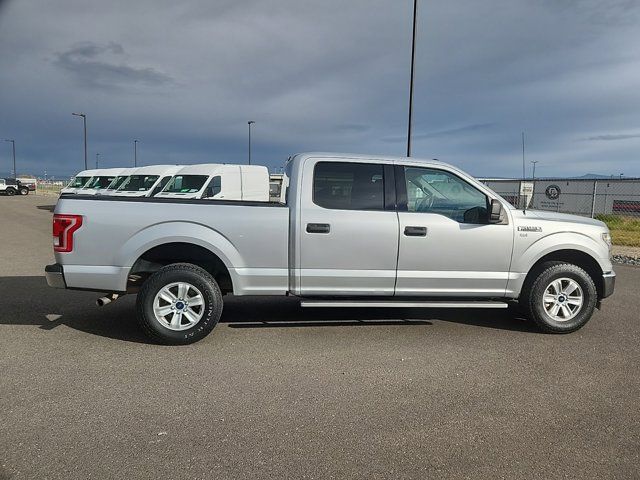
(349, 186)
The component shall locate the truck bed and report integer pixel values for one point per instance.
(251, 238)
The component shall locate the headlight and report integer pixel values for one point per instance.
(606, 236)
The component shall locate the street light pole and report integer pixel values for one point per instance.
(523, 172)
(135, 153)
(250, 122)
(84, 121)
(13, 146)
(413, 59)
(97, 155)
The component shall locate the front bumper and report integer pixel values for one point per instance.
(608, 284)
(55, 276)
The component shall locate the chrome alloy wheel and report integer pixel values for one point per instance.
(563, 299)
(178, 306)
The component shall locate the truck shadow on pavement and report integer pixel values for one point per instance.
(49, 208)
(29, 301)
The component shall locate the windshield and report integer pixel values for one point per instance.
(118, 181)
(138, 183)
(77, 182)
(185, 184)
(100, 182)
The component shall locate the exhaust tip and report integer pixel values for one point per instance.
(102, 301)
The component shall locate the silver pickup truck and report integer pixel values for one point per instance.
(351, 231)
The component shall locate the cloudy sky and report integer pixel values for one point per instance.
(332, 75)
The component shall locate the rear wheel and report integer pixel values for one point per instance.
(11, 192)
(179, 304)
(561, 299)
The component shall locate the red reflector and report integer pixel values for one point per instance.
(63, 228)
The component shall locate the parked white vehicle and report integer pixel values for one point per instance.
(219, 181)
(147, 181)
(119, 180)
(101, 181)
(80, 180)
(7, 188)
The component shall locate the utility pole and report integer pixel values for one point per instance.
(250, 122)
(97, 155)
(413, 59)
(13, 146)
(84, 120)
(135, 153)
(534, 169)
(523, 171)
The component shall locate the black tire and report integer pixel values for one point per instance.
(24, 191)
(179, 272)
(533, 297)
(11, 192)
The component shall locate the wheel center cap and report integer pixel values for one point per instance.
(561, 298)
(179, 305)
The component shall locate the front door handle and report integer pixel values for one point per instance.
(318, 228)
(411, 231)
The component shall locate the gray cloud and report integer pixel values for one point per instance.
(610, 137)
(353, 128)
(101, 66)
(184, 77)
(476, 127)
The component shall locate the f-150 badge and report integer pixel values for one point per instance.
(529, 229)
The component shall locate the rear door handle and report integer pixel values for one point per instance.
(318, 228)
(411, 231)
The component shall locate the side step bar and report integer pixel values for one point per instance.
(399, 304)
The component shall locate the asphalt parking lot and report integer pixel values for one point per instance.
(278, 392)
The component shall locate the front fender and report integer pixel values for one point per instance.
(560, 241)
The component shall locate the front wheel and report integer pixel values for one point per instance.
(561, 299)
(24, 191)
(179, 304)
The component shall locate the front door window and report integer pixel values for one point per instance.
(437, 191)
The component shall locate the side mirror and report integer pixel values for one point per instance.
(495, 214)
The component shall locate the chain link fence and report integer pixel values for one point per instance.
(48, 188)
(614, 201)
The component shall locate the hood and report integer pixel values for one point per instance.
(559, 217)
(123, 193)
(87, 191)
(177, 195)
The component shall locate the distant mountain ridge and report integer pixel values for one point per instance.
(587, 176)
(595, 176)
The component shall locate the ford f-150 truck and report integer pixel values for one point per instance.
(353, 231)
